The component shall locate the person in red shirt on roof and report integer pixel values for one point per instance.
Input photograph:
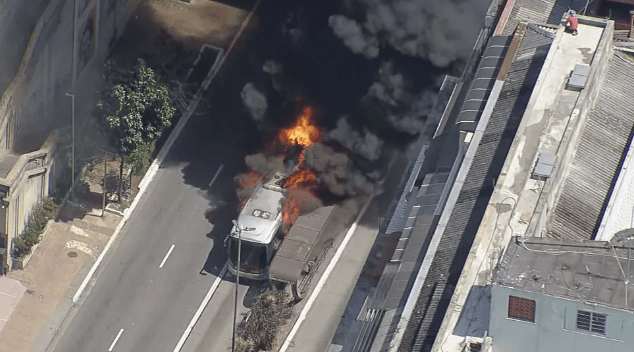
(572, 22)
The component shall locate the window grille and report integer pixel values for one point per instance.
(522, 308)
(590, 321)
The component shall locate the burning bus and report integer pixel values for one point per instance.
(260, 221)
(271, 237)
(265, 252)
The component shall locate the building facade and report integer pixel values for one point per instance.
(549, 295)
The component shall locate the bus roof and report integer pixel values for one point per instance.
(258, 226)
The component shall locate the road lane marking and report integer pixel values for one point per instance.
(115, 340)
(288, 342)
(6, 294)
(216, 175)
(167, 255)
(199, 312)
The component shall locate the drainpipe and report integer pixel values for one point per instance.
(631, 34)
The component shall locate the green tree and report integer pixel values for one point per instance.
(137, 108)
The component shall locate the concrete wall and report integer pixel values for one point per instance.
(36, 96)
(17, 20)
(554, 327)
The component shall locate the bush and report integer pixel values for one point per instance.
(141, 157)
(243, 345)
(43, 212)
(269, 312)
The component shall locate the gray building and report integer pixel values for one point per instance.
(549, 295)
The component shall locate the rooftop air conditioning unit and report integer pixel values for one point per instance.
(578, 77)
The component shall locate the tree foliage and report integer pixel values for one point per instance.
(136, 106)
(32, 233)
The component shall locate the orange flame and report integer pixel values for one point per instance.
(297, 198)
(299, 177)
(303, 132)
(299, 185)
(291, 211)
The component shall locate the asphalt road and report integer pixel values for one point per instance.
(152, 304)
(136, 302)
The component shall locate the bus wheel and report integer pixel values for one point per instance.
(298, 292)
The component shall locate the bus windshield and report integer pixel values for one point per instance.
(253, 255)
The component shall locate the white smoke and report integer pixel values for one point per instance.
(442, 31)
(336, 172)
(266, 165)
(254, 101)
(368, 145)
(353, 36)
(390, 97)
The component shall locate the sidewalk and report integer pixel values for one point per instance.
(46, 286)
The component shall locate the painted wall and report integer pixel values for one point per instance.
(554, 327)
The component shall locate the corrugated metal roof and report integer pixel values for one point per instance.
(474, 196)
(541, 11)
(483, 79)
(599, 155)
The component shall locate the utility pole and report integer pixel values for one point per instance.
(72, 95)
(72, 123)
(235, 307)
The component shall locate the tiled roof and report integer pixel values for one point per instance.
(467, 213)
(599, 155)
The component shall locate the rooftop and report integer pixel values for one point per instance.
(589, 271)
(585, 133)
(541, 155)
(262, 212)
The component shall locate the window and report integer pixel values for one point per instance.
(590, 321)
(253, 257)
(522, 308)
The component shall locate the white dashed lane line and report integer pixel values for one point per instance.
(166, 256)
(216, 175)
(115, 340)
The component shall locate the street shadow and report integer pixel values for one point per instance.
(85, 201)
(256, 288)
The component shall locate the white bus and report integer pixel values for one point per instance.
(260, 221)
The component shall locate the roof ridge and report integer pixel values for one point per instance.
(542, 29)
(625, 54)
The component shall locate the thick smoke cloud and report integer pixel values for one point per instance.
(368, 145)
(254, 101)
(265, 165)
(335, 171)
(354, 37)
(442, 31)
(390, 97)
